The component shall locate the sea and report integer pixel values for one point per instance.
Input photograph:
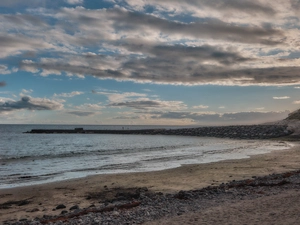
(28, 159)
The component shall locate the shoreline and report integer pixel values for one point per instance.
(44, 198)
(284, 144)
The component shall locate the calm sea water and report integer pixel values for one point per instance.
(27, 159)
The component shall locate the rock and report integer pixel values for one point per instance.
(61, 206)
(33, 210)
(74, 207)
(64, 212)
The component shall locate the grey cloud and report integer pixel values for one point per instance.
(197, 53)
(160, 70)
(138, 104)
(14, 44)
(2, 84)
(128, 21)
(250, 6)
(81, 113)
(83, 70)
(295, 4)
(146, 104)
(23, 19)
(17, 41)
(29, 104)
(245, 6)
(230, 118)
(186, 115)
(31, 3)
(127, 117)
(213, 29)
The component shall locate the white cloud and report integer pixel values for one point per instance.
(69, 95)
(90, 106)
(281, 98)
(201, 107)
(4, 69)
(74, 2)
(120, 97)
(25, 91)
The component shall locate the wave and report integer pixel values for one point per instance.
(103, 152)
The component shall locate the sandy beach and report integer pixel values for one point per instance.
(39, 200)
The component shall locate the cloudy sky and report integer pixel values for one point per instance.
(172, 62)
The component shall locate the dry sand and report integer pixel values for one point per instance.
(44, 198)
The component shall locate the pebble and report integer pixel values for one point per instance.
(74, 207)
(158, 205)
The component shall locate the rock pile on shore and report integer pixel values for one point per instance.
(239, 132)
(142, 205)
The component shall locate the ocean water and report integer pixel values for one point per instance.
(27, 159)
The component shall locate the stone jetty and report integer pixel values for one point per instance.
(238, 132)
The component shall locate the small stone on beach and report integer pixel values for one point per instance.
(61, 206)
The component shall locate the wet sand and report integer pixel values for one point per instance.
(38, 200)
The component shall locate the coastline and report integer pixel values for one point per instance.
(45, 197)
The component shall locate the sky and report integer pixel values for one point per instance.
(149, 62)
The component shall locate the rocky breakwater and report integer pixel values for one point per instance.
(238, 132)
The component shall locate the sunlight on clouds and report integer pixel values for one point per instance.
(281, 98)
(141, 51)
(200, 107)
(69, 95)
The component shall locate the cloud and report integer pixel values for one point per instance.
(200, 107)
(74, 2)
(166, 46)
(25, 91)
(90, 106)
(3, 70)
(146, 104)
(221, 6)
(29, 103)
(179, 71)
(127, 117)
(210, 29)
(281, 98)
(119, 97)
(32, 3)
(15, 44)
(296, 102)
(204, 53)
(81, 113)
(69, 95)
(226, 118)
(2, 83)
